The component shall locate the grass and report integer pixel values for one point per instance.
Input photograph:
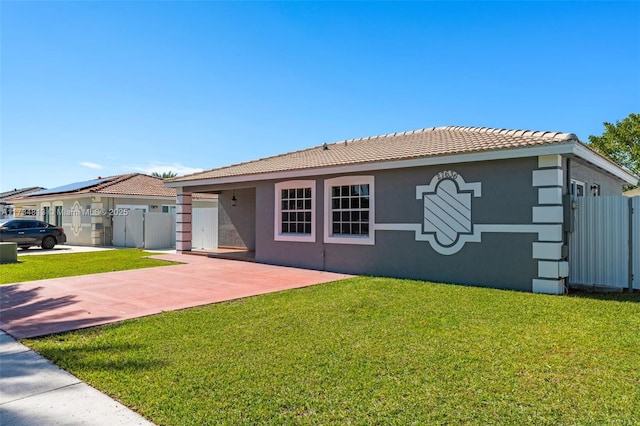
(45, 266)
(371, 351)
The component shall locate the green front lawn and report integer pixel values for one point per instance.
(46, 266)
(371, 351)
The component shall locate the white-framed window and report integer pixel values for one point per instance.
(577, 188)
(349, 210)
(168, 208)
(46, 214)
(58, 211)
(295, 211)
(595, 190)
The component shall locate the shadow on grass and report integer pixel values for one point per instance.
(27, 314)
(102, 356)
(623, 296)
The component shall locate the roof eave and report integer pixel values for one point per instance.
(546, 149)
(598, 160)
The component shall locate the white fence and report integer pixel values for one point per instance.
(158, 230)
(144, 230)
(604, 248)
(204, 228)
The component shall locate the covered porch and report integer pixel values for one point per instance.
(236, 223)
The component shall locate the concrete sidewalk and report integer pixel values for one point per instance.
(34, 392)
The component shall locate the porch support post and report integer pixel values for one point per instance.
(183, 221)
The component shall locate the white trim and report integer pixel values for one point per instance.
(553, 269)
(562, 148)
(548, 286)
(573, 190)
(550, 195)
(547, 250)
(548, 214)
(544, 231)
(349, 239)
(605, 164)
(550, 161)
(547, 177)
(277, 223)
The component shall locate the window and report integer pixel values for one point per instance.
(577, 188)
(595, 190)
(349, 210)
(295, 211)
(58, 215)
(46, 214)
(168, 209)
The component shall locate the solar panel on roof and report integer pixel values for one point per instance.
(71, 187)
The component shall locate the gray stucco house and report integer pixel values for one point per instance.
(465, 205)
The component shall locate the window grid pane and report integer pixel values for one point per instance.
(296, 211)
(350, 210)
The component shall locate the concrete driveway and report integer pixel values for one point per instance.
(38, 308)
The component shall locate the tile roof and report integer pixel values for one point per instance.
(429, 142)
(126, 184)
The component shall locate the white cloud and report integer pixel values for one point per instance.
(161, 168)
(90, 165)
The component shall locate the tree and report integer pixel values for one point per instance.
(621, 142)
(164, 175)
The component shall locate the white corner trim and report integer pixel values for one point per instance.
(547, 177)
(548, 286)
(547, 250)
(553, 269)
(349, 239)
(548, 214)
(550, 195)
(607, 165)
(550, 161)
(277, 223)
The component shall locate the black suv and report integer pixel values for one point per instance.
(30, 232)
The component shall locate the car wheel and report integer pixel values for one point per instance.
(48, 243)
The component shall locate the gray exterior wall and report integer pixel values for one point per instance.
(237, 224)
(500, 260)
(584, 172)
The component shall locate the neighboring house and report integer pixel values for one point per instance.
(477, 206)
(632, 192)
(6, 211)
(88, 211)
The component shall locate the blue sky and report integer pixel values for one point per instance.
(100, 88)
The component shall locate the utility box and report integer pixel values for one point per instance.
(8, 253)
